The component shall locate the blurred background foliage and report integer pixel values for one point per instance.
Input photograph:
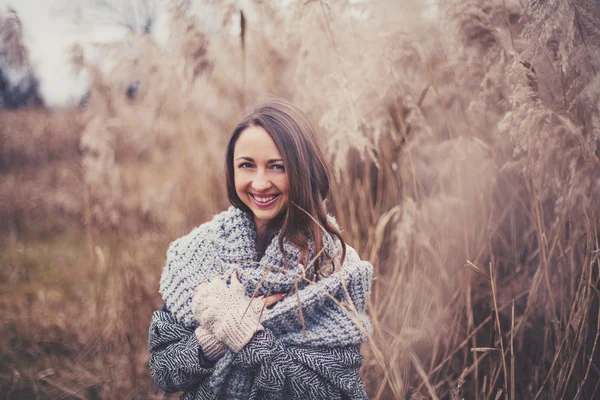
(464, 136)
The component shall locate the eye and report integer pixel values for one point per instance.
(278, 167)
(245, 165)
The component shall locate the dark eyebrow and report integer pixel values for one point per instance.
(271, 161)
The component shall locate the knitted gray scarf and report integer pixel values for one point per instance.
(227, 244)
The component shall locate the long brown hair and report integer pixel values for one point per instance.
(308, 175)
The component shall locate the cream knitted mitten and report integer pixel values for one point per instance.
(212, 348)
(226, 312)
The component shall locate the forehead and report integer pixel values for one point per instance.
(256, 143)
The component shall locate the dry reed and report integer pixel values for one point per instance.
(463, 135)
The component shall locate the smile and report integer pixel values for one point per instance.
(264, 201)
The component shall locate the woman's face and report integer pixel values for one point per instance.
(261, 180)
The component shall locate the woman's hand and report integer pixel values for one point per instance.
(272, 299)
(267, 300)
(227, 312)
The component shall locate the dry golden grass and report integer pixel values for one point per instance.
(466, 155)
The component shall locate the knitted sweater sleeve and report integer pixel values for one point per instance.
(301, 372)
(176, 362)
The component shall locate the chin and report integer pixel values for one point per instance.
(266, 216)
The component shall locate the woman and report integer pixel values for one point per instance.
(265, 301)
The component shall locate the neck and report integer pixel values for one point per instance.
(263, 226)
(265, 232)
(260, 225)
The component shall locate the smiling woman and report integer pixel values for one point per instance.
(230, 327)
(260, 178)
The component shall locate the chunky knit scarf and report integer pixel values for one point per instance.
(332, 310)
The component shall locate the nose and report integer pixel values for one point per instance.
(261, 182)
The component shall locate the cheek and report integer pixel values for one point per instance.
(284, 186)
(240, 184)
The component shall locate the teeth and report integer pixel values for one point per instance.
(263, 199)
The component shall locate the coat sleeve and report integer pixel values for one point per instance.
(301, 372)
(176, 359)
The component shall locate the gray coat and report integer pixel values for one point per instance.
(271, 369)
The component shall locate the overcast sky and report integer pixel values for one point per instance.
(52, 27)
